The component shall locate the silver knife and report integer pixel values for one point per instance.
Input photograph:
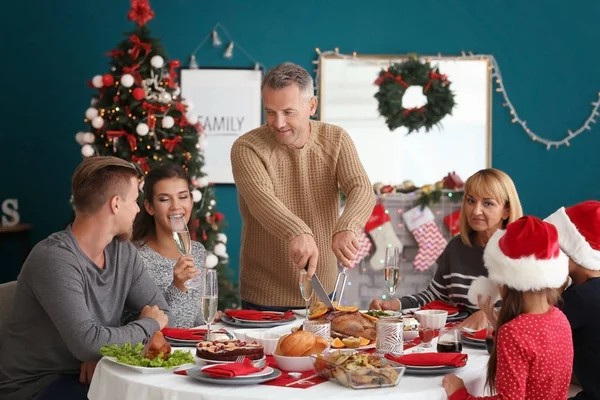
(318, 287)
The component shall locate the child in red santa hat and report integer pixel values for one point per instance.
(533, 355)
(579, 235)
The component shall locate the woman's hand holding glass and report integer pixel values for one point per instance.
(183, 271)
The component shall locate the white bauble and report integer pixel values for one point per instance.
(192, 118)
(93, 101)
(89, 137)
(213, 202)
(113, 69)
(97, 81)
(188, 105)
(127, 80)
(164, 97)
(98, 122)
(177, 91)
(91, 113)
(79, 138)
(168, 122)
(87, 150)
(221, 237)
(203, 182)
(220, 249)
(196, 195)
(157, 62)
(202, 144)
(211, 261)
(142, 129)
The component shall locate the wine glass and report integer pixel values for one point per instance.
(306, 290)
(183, 240)
(392, 269)
(210, 298)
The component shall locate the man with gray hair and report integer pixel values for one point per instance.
(288, 173)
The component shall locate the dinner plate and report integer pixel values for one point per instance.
(473, 342)
(221, 335)
(457, 316)
(196, 373)
(245, 320)
(264, 372)
(430, 371)
(147, 370)
(254, 324)
(222, 362)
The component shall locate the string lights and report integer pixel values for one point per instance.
(497, 77)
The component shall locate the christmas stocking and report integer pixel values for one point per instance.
(382, 235)
(429, 238)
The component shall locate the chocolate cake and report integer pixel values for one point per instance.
(229, 350)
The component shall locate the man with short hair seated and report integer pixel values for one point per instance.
(73, 287)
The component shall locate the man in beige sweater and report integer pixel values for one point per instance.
(287, 174)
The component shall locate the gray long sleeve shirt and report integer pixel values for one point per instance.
(66, 309)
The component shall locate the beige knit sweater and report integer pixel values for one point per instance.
(286, 192)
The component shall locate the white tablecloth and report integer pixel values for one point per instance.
(113, 381)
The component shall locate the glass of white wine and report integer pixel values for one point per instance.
(306, 290)
(210, 299)
(391, 269)
(183, 240)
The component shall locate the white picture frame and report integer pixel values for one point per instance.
(228, 104)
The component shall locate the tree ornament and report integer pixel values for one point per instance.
(192, 119)
(98, 122)
(221, 237)
(89, 137)
(87, 150)
(164, 97)
(211, 261)
(157, 61)
(142, 129)
(138, 94)
(108, 80)
(79, 138)
(196, 195)
(168, 122)
(97, 81)
(91, 113)
(203, 182)
(220, 250)
(201, 145)
(428, 95)
(127, 80)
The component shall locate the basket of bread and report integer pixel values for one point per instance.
(357, 370)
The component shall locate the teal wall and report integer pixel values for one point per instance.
(546, 49)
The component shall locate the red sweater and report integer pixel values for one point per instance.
(535, 359)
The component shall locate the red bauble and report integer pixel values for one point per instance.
(138, 93)
(108, 80)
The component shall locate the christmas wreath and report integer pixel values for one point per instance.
(414, 95)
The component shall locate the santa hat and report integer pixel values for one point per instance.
(579, 232)
(526, 256)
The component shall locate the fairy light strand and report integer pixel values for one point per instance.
(497, 77)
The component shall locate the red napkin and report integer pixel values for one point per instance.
(440, 305)
(186, 334)
(431, 359)
(252, 315)
(232, 369)
(479, 335)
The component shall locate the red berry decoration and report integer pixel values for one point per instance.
(108, 80)
(139, 94)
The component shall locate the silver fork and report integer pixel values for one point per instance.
(337, 295)
(240, 359)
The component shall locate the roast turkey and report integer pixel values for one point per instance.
(346, 324)
(156, 345)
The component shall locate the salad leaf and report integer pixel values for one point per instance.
(132, 355)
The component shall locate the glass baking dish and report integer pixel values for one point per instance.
(357, 370)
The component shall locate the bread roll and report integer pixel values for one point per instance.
(319, 346)
(296, 344)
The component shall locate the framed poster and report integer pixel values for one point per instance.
(228, 104)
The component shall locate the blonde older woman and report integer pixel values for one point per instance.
(489, 203)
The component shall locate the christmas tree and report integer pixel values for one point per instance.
(138, 115)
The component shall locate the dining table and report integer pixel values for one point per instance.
(115, 381)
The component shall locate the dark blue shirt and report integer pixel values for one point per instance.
(582, 308)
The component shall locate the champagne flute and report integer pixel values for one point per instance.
(391, 269)
(306, 290)
(210, 299)
(183, 240)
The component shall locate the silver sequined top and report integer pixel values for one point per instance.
(185, 307)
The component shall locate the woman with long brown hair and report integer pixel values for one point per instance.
(533, 355)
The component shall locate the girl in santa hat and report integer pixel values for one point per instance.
(533, 356)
